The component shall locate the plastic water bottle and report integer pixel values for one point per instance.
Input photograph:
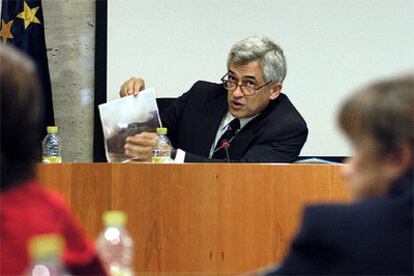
(51, 146)
(162, 151)
(115, 245)
(45, 252)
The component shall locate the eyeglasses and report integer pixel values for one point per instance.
(247, 87)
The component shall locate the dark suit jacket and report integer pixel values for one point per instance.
(371, 237)
(276, 135)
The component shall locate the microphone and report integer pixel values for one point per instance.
(226, 145)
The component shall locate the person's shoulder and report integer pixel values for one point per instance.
(282, 112)
(331, 223)
(338, 212)
(206, 91)
(29, 189)
(207, 84)
(284, 105)
(328, 213)
(207, 87)
(364, 213)
(40, 196)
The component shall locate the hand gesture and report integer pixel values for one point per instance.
(132, 87)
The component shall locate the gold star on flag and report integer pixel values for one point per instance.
(5, 31)
(28, 15)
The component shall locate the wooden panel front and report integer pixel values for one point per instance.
(198, 217)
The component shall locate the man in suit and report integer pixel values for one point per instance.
(246, 112)
(374, 235)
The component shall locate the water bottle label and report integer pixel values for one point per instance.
(161, 159)
(52, 159)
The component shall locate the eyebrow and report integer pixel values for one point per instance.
(243, 77)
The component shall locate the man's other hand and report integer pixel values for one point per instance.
(139, 147)
(132, 87)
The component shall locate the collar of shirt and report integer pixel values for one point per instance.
(228, 118)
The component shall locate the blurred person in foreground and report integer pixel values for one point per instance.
(373, 235)
(26, 208)
(248, 103)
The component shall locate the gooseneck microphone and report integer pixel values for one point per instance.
(226, 145)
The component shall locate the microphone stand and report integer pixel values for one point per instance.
(226, 145)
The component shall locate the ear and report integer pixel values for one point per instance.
(402, 158)
(275, 91)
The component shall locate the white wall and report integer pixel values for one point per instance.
(332, 47)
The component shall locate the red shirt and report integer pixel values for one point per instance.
(28, 210)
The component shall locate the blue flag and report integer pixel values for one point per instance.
(22, 26)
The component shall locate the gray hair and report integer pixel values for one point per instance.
(269, 54)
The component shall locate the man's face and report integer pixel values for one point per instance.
(242, 106)
(367, 172)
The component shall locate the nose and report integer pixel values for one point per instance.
(237, 92)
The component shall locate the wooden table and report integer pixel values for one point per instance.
(216, 218)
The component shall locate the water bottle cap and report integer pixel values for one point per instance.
(161, 130)
(52, 129)
(41, 246)
(114, 218)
